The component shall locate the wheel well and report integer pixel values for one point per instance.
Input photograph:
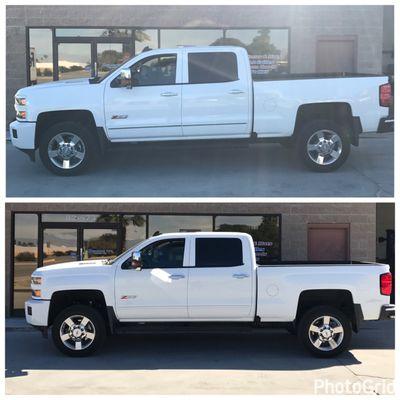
(66, 298)
(340, 299)
(47, 119)
(337, 112)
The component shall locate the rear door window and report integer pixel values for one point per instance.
(213, 67)
(219, 252)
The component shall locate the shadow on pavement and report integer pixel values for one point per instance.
(272, 350)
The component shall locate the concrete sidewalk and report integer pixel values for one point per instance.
(211, 170)
(270, 363)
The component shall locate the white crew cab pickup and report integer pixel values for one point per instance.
(205, 281)
(197, 93)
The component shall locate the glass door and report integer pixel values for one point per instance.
(74, 60)
(65, 242)
(83, 57)
(59, 245)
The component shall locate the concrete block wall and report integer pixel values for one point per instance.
(306, 23)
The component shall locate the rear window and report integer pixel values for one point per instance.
(219, 252)
(212, 67)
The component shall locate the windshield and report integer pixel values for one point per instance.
(122, 255)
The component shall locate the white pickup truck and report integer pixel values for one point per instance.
(197, 281)
(197, 93)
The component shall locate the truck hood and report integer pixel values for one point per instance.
(26, 91)
(70, 266)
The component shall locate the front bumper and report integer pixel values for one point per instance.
(387, 312)
(23, 135)
(37, 312)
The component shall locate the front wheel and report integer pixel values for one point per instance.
(78, 331)
(323, 145)
(325, 331)
(67, 148)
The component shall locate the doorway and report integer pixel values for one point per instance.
(84, 57)
(328, 242)
(65, 242)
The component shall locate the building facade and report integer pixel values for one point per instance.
(40, 234)
(46, 43)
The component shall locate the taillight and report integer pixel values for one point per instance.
(385, 95)
(386, 284)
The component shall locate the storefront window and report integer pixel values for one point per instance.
(265, 231)
(25, 256)
(268, 49)
(189, 37)
(40, 56)
(133, 230)
(146, 39)
(179, 223)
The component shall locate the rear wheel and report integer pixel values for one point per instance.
(78, 331)
(325, 331)
(67, 148)
(323, 145)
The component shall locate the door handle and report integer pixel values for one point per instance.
(236, 91)
(169, 94)
(175, 277)
(240, 276)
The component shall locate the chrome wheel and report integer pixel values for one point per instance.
(66, 150)
(324, 147)
(326, 333)
(77, 332)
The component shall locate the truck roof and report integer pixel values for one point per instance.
(197, 48)
(208, 234)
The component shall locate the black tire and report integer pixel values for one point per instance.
(325, 350)
(84, 134)
(99, 331)
(308, 130)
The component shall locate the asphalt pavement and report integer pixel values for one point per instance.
(269, 363)
(213, 169)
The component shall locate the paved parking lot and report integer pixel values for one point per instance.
(267, 363)
(210, 170)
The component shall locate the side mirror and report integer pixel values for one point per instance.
(125, 78)
(136, 261)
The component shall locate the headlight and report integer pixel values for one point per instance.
(36, 280)
(21, 101)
